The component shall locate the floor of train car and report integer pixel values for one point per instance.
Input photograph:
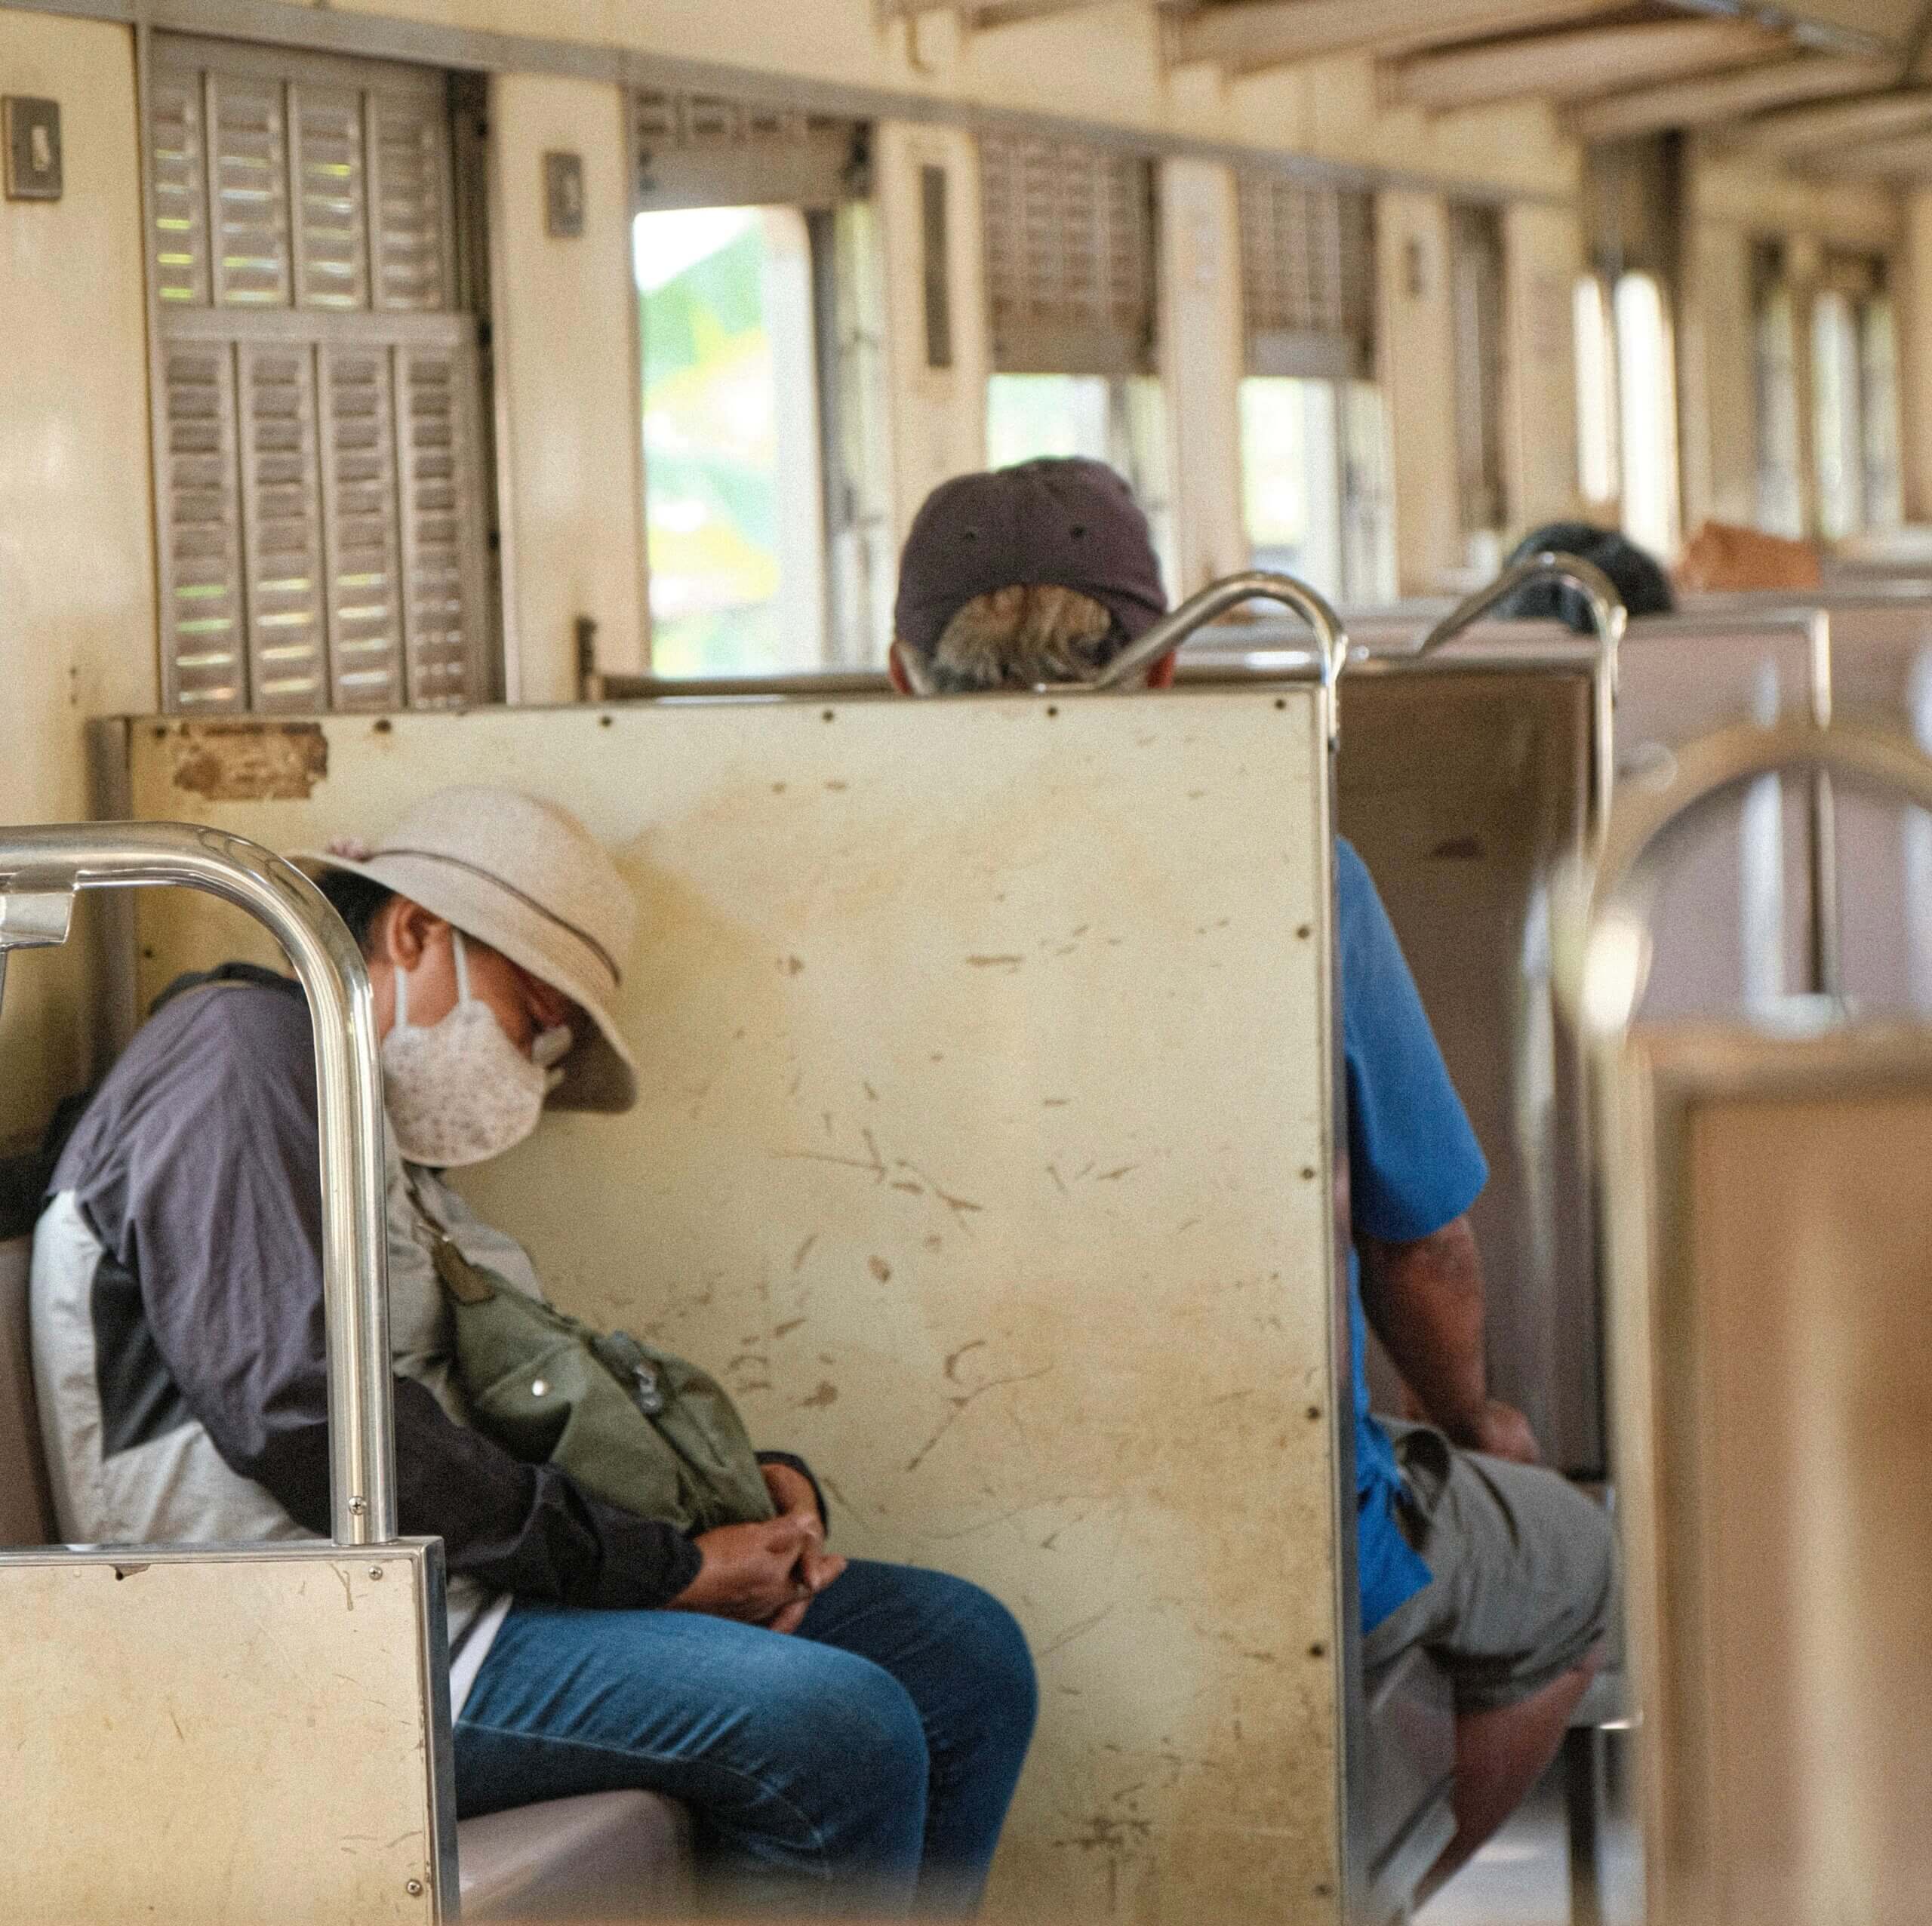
(1521, 1878)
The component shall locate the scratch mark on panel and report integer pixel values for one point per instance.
(1053, 1171)
(804, 1251)
(960, 1206)
(875, 1164)
(1113, 1176)
(961, 1403)
(973, 1531)
(787, 1327)
(1079, 1630)
(953, 1357)
(995, 962)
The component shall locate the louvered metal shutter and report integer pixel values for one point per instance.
(703, 150)
(317, 403)
(203, 629)
(1308, 277)
(1069, 257)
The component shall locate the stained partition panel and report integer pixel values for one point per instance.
(984, 1150)
(1780, 1537)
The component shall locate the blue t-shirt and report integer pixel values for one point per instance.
(1414, 1165)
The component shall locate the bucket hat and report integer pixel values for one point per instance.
(527, 878)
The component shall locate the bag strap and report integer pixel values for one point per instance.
(460, 1278)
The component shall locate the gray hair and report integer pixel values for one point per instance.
(1019, 637)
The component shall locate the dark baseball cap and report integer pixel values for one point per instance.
(1062, 520)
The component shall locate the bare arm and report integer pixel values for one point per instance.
(1425, 1299)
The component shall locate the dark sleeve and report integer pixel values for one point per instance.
(805, 1472)
(223, 1226)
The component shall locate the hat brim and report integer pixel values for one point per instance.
(600, 1073)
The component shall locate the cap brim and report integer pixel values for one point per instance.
(600, 1073)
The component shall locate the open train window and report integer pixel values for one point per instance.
(320, 450)
(1069, 267)
(1315, 487)
(755, 251)
(1646, 391)
(1854, 399)
(1599, 468)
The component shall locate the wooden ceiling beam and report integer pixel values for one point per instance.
(984, 14)
(1799, 131)
(1576, 64)
(1261, 34)
(1902, 157)
(1709, 98)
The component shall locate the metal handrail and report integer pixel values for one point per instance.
(41, 869)
(1331, 651)
(1604, 946)
(1324, 663)
(1608, 619)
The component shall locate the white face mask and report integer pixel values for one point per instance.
(460, 1091)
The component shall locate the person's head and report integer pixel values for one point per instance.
(1639, 578)
(1038, 573)
(494, 927)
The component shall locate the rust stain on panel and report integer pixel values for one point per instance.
(250, 761)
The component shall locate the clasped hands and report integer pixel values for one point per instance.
(767, 1573)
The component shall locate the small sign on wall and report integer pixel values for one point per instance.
(32, 131)
(563, 196)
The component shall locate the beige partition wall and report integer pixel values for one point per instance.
(1464, 845)
(984, 1150)
(202, 1738)
(1773, 1273)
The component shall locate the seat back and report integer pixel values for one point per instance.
(26, 1506)
(988, 1099)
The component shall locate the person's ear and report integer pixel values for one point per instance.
(1161, 675)
(896, 668)
(403, 932)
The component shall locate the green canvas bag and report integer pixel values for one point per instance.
(631, 1424)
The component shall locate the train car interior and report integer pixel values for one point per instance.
(965, 958)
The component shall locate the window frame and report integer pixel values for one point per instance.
(731, 151)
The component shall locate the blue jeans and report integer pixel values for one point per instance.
(866, 1762)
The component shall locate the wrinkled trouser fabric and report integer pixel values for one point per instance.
(1524, 1571)
(863, 1763)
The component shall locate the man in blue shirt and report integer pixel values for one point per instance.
(1503, 1571)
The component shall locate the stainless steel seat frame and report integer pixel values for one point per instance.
(1646, 1097)
(314, 1846)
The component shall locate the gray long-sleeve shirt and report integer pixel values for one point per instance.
(178, 1332)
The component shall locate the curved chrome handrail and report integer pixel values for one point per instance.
(1202, 608)
(44, 866)
(1603, 933)
(1608, 620)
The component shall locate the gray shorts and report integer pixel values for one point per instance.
(1524, 1565)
